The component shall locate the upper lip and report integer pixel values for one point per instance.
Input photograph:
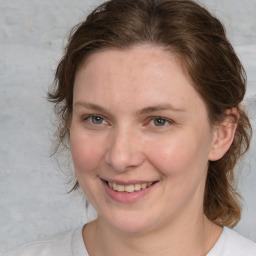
(128, 182)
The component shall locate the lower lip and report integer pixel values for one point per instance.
(125, 197)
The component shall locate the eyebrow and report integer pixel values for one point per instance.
(161, 107)
(143, 111)
(91, 106)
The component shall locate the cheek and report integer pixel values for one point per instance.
(179, 155)
(86, 153)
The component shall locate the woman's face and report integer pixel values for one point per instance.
(140, 127)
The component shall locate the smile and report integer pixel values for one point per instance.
(128, 192)
(129, 188)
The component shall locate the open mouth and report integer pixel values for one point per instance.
(129, 188)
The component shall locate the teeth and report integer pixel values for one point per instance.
(129, 188)
(137, 187)
(144, 185)
(120, 188)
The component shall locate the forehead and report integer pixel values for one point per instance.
(135, 76)
(133, 56)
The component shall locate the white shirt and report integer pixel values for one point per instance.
(71, 243)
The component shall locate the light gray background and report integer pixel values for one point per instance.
(33, 199)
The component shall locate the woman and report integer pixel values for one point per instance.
(149, 98)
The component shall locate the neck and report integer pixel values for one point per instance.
(177, 238)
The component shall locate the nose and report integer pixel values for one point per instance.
(125, 150)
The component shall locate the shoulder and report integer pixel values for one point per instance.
(238, 243)
(230, 243)
(60, 244)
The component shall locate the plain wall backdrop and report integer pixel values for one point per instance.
(33, 196)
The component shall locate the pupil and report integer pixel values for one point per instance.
(159, 122)
(97, 119)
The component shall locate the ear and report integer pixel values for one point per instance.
(224, 134)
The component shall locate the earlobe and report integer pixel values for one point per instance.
(224, 135)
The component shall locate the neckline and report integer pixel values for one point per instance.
(218, 244)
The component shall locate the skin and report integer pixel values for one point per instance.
(130, 90)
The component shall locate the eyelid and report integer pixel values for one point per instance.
(168, 120)
(149, 119)
(86, 117)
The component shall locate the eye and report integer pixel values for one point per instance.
(94, 119)
(159, 121)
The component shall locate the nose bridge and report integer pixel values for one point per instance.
(124, 151)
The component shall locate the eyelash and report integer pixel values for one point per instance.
(155, 118)
(86, 118)
(151, 119)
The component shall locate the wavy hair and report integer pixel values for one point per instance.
(198, 38)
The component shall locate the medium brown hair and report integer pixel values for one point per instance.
(188, 30)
